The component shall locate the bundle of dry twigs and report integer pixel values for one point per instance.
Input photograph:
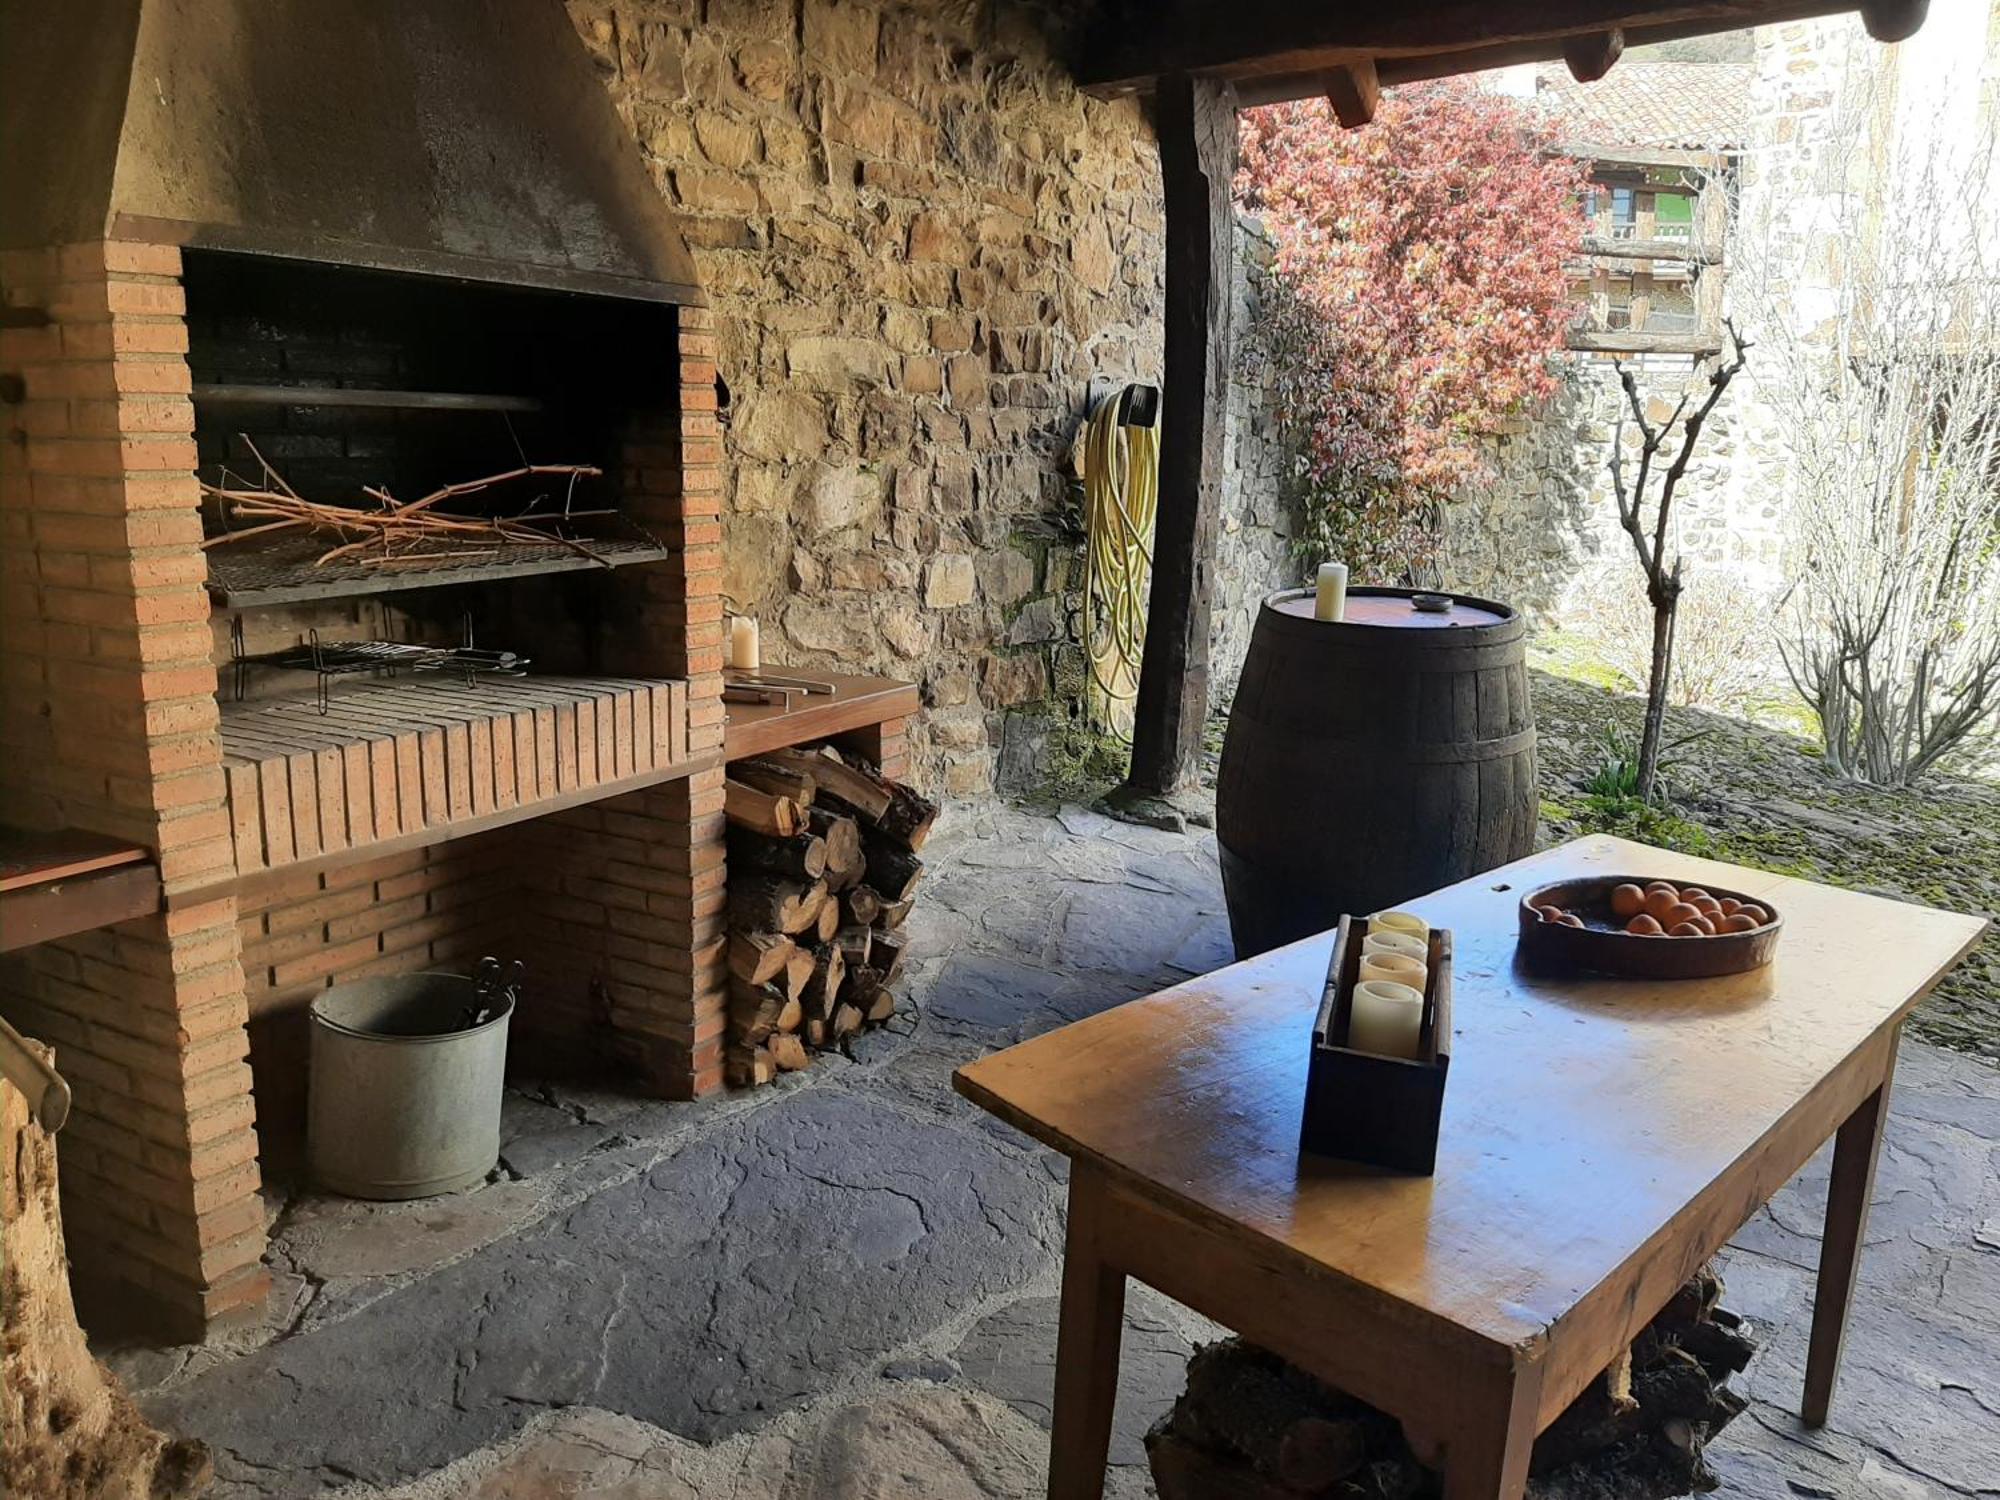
(398, 531)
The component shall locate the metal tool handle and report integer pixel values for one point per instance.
(30, 1072)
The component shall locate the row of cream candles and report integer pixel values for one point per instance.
(1386, 1011)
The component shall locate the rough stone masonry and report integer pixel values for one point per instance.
(921, 242)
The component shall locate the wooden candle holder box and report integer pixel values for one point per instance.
(1380, 1110)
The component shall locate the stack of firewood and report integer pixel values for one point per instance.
(1252, 1427)
(823, 870)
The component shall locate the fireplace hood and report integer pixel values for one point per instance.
(465, 138)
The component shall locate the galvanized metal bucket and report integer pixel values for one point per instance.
(406, 1081)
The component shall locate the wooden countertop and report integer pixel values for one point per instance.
(855, 703)
(1583, 1117)
(58, 882)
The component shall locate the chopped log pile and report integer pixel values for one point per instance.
(823, 871)
(1252, 1427)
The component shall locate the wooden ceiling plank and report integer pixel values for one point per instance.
(1282, 49)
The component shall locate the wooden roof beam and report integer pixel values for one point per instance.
(1354, 91)
(1278, 50)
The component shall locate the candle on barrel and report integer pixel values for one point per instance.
(1330, 592)
(1385, 1018)
(743, 654)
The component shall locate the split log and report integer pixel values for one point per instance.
(746, 1067)
(846, 863)
(854, 943)
(886, 953)
(759, 957)
(846, 1020)
(761, 811)
(833, 777)
(765, 903)
(892, 870)
(755, 1011)
(892, 809)
(823, 989)
(798, 972)
(862, 904)
(829, 919)
(767, 776)
(817, 1033)
(789, 1053)
(881, 1007)
(893, 915)
(800, 857)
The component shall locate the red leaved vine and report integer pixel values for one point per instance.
(1419, 300)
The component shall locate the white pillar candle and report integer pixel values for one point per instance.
(1385, 1019)
(1389, 941)
(1330, 592)
(1396, 968)
(1401, 921)
(743, 653)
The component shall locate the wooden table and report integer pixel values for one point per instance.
(1601, 1140)
(855, 704)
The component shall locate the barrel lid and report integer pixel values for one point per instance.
(1394, 609)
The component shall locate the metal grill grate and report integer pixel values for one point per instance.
(283, 570)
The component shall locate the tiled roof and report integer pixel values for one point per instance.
(1704, 105)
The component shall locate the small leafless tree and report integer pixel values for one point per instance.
(1882, 366)
(1662, 465)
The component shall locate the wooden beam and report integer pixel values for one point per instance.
(1625, 341)
(1271, 38)
(1589, 55)
(1604, 155)
(62, 908)
(1692, 251)
(1196, 122)
(1354, 92)
(1893, 20)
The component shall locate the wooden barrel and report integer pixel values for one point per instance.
(1370, 760)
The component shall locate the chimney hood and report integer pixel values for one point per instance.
(464, 138)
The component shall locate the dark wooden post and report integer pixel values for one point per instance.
(1196, 121)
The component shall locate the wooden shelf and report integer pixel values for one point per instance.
(399, 764)
(57, 883)
(855, 703)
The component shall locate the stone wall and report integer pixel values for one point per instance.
(921, 243)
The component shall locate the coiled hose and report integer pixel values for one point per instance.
(1121, 492)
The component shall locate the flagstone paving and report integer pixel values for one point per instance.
(844, 1285)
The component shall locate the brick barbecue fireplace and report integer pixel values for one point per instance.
(392, 245)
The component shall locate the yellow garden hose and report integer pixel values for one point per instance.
(1121, 492)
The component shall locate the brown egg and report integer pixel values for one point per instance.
(1627, 901)
(1685, 929)
(1706, 923)
(1730, 906)
(1570, 919)
(1644, 926)
(1659, 903)
(1739, 922)
(1678, 913)
(1754, 912)
(1708, 906)
(1549, 913)
(1663, 885)
(1692, 893)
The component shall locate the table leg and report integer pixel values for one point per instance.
(1093, 1317)
(1855, 1149)
(1486, 1455)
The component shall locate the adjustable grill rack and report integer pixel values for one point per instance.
(372, 658)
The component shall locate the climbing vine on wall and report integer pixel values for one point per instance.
(1419, 302)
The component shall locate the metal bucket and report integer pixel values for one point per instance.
(405, 1099)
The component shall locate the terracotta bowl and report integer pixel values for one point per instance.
(1603, 946)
